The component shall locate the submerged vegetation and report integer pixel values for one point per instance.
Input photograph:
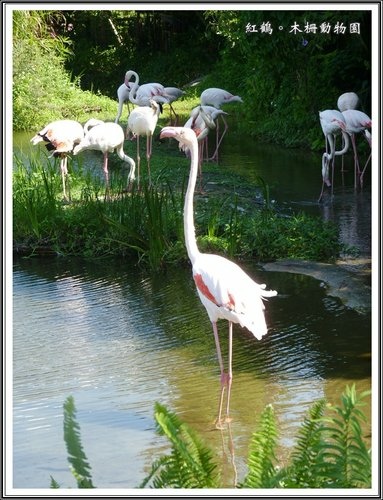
(330, 451)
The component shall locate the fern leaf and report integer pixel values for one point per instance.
(262, 453)
(190, 463)
(305, 455)
(79, 466)
(346, 461)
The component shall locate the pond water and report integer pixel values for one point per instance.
(118, 339)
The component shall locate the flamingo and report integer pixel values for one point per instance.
(356, 122)
(60, 137)
(122, 96)
(173, 94)
(225, 290)
(217, 97)
(348, 100)
(202, 119)
(332, 123)
(200, 123)
(106, 137)
(143, 121)
(142, 94)
(213, 114)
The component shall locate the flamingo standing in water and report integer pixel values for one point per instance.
(217, 97)
(60, 137)
(332, 123)
(106, 137)
(348, 100)
(225, 290)
(356, 122)
(143, 121)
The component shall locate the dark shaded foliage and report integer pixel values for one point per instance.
(285, 77)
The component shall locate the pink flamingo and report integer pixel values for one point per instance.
(348, 100)
(60, 137)
(217, 97)
(225, 290)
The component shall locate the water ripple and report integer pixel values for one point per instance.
(118, 340)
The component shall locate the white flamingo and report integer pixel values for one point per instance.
(173, 94)
(60, 137)
(225, 290)
(106, 137)
(332, 123)
(348, 100)
(358, 122)
(141, 95)
(202, 119)
(122, 96)
(218, 97)
(143, 121)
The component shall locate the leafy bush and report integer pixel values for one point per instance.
(43, 90)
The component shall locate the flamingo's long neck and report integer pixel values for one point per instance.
(134, 88)
(346, 139)
(340, 152)
(189, 229)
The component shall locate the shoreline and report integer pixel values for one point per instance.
(349, 280)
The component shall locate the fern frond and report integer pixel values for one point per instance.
(190, 463)
(345, 459)
(261, 472)
(300, 473)
(79, 466)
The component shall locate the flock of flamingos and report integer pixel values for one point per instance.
(225, 290)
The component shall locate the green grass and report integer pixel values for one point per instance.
(147, 225)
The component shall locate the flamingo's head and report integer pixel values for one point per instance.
(128, 76)
(185, 136)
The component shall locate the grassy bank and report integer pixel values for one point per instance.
(147, 225)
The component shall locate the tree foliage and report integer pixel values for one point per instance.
(43, 90)
(287, 78)
(284, 77)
